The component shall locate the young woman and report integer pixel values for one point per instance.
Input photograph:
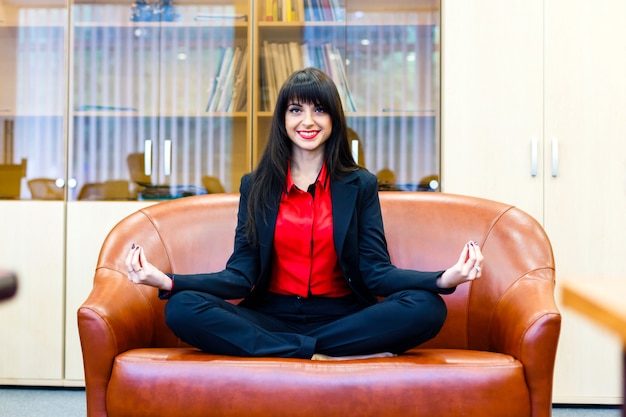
(310, 257)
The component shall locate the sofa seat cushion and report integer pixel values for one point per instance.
(186, 382)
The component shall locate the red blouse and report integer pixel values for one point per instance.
(305, 260)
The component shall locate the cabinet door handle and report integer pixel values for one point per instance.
(147, 157)
(167, 152)
(555, 157)
(533, 157)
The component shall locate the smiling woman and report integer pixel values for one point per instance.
(310, 257)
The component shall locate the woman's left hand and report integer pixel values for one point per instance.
(468, 267)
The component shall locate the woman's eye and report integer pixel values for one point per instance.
(320, 110)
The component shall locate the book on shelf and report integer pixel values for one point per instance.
(238, 101)
(286, 14)
(228, 81)
(327, 11)
(269, 76)
(309, 11)
(338, 73)
(99, 107)
(237, 94)
(267, 11)
(295, 56)
(279, 69)
(225, 94)
(299, 10)
(271, 10)
(221, 18)
(303, 11)
(305, 56)
(323, 11)
(225, 55)
(280, 59)
(284, 11)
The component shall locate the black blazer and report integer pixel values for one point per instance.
(359, 241)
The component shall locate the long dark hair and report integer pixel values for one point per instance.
(308, 85)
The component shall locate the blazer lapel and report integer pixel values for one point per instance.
(266, 238)
(343, 193)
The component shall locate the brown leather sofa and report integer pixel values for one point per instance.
(494, 356)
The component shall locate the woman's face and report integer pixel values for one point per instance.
(308, 126)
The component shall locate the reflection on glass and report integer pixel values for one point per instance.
(384, 59)
(32, 101)
(393, 69)
(150, 118)
(169, 84)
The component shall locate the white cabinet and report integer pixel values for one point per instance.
(492, 99)
(32, 321)
(585, 187)
(41, 344)
(534, 114)
(32, 232)
(84, 239)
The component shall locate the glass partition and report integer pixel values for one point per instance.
(149, 121)
(33, 99)
(384, 57)
(393, 68)
(175, 99)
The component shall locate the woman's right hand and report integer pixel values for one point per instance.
(140, 271)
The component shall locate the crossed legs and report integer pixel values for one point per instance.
(299, 327)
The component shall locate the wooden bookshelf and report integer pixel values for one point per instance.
(151, 70)
(395, 117)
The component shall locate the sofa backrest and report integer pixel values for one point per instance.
(425, 231)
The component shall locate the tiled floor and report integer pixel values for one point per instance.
(559, 411)
(32, 402)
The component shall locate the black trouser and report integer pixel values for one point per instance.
(296, 327)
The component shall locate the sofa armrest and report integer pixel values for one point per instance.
(116, 316)
(526, 325)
